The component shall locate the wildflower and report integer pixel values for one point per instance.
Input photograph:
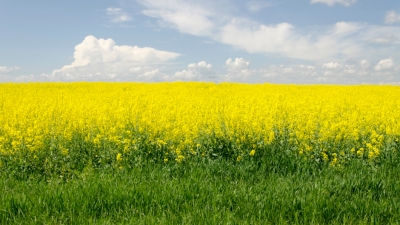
(371, 155)
(165, 160)
(252, 152)
(239, 158)
(64, 151)
(325, 157)
(180, 158)
(119, 158)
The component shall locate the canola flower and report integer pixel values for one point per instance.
(45, 125)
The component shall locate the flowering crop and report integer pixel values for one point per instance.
(61, 126)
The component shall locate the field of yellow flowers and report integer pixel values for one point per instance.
(43, 125)
(199, 153)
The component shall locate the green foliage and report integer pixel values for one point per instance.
(269, 188)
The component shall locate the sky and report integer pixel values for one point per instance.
(346, 42)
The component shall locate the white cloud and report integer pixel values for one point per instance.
(392, 17)
(335, 72)
(117, 15)
(153, 75)
(343, 29)
(196, 72)
(252, 36)
(283, 39)
(288, 74)
(365, 64)
(5, 69)
(349, 69)
(97, 59)
(320, 43)
(186, 16)
(255, 6)
(385, 64)
(331, 65)
(385, 38)
(238, 65)
(93, 50)
(238, 70)
(333, 2)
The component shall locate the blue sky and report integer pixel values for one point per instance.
(270, 41)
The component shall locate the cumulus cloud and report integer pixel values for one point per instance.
(5, 69)
(334, 68)
(238, 65)
(392, 17)
(364, 64)
(100, 59)
(333, 2)
(93, 50)
(238, 70)
(196, 72)
(117, 15)
(288, 74)
(255, 6)
(332, 65)
(384, 72)
(385, 64)
(329, 73)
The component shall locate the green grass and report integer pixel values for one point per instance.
(272, 189)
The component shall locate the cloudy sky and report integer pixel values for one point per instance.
(254, 41)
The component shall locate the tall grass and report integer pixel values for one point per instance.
(270, 189)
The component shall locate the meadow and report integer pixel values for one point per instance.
(199, 153)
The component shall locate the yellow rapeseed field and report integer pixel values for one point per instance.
(44, 123)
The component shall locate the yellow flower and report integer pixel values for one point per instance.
(180, 158)
(165, 160)
(181, 116)
(119, 158)
(252, 152)
(64, 151)
(239, 158)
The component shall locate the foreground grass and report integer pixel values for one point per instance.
(209, 192)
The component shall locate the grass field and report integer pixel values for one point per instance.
(199, 153)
